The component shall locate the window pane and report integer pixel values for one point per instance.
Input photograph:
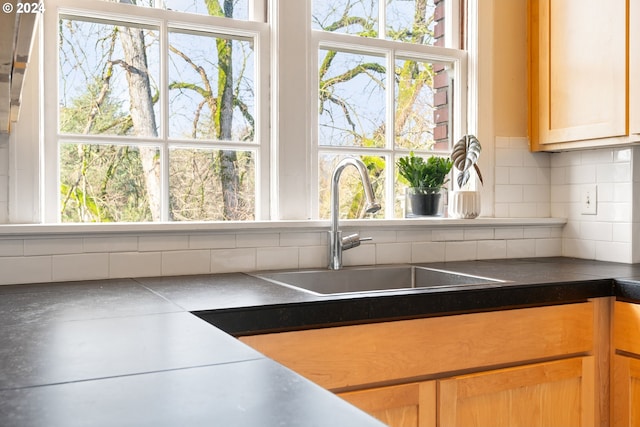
(421, 102)
(352, 99)
(352, 198)
(414, 21)
(346, 16)
(106, 183)
(108, 79)
(237, 9)
(211, 185)
(211, 84)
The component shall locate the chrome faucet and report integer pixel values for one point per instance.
(337, 243)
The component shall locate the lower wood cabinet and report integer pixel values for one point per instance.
(625, 396)
(557, 393)
(527, 366)
(625, 401)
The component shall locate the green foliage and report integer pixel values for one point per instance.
(419, 173)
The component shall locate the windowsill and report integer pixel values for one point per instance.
(8, 230)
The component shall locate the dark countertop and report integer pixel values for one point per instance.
(130, 352)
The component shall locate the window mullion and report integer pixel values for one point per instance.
(164, 124)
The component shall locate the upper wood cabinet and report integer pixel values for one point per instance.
(584, 70)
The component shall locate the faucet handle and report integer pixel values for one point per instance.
(353, 241)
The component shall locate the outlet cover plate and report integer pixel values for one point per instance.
(589, 200)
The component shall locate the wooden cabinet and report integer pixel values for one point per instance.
(558, 393)
(406, 405)
(625, 397)
(625, 402)
(416, 372)
(584, 73)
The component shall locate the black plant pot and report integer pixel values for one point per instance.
(424, 202)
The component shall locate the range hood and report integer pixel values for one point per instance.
(15, 47)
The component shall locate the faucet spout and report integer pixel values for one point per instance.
(336, 243)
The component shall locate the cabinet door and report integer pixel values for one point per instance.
(625, 401)
(407, 405)
(559, 393)
(579, 66)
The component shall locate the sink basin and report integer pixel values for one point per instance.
(371, 279)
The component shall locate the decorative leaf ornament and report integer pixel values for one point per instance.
(465, 155)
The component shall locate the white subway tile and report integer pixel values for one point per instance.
(523, 210)
(196, 261)
(110, 244)
(502, 142)
(595, 157)
(414, 235)
(257, 240)
(313, 257)
(522, 175)
(447, 234)
(364, 254)
(537, 160)
(276, 258)
(521, 248)
(53, 246)
(233, 260)
(80, 267)
(622, 155)
(428, 252)
(501, 210)
(135, 264)
(461, 251)
(212, 241)
(536, 193)
(536, 232)
(509, 157)
(502, 175)
(35, 269)
(504, 233)
(548, 247)
(11, 247)
(479, 233)
(578, 248)
(301, 238)
(378, 236)
(614, 252)
(492, 249)
(393, 253)
(596, 231)
(519, 142)
(622, 232)
(582, 174)
(163, 242)
(508, 193)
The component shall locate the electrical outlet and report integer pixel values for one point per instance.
(589, 200)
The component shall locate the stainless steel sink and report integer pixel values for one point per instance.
(371, 279)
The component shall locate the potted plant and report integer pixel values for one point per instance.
(465, 202)
(426, 180)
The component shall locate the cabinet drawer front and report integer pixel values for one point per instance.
(553, 393)
(349, 356)
(626, 328)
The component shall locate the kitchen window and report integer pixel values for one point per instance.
(386, 78)
(161, 111)
(168, 110)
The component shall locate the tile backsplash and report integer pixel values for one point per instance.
(86, 257)
(609, 234)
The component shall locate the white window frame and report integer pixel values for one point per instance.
(164, 20)
(297, 174)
